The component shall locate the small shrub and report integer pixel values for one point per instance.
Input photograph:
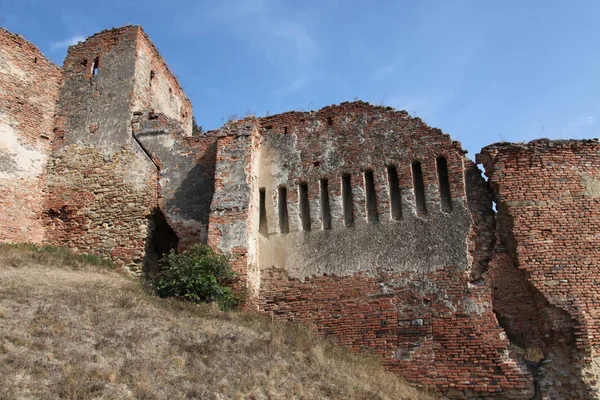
(199, 275)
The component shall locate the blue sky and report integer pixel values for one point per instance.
(482, 71)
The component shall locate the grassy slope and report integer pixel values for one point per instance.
(69, 329)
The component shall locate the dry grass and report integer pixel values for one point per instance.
(72, 330)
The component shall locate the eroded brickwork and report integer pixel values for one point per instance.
(29, 86)
(358, 220)
(156, 88)
(186, 167)
(404, 284)
(548, 196)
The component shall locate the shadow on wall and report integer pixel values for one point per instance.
(161, 241)
(194, 195)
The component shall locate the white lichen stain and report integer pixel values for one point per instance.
(28, 163)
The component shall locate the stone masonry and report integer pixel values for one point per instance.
(359, 220)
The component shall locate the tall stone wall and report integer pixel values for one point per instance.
(103, 186)
(548, 195)
(398, 281)
(29, 86)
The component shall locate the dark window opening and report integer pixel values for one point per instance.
(284, 224)
(371, 197)
(316, 164)
(347, 200)
(329, 121)
(325, 206)
(304, 206)
(152, 75)
(262, 213)
(285, 131)
(84, 63)
(395, 198)
(35, 60)
(95, 66)
(419, 187)
(444, 182)
(163, 239)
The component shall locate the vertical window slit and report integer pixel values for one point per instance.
(262, 223)
(371, 197)
(152, 75)
(304, 206)
(419, 187)
(395, 199)
(284, 225)
(325, 206)
(444, 183)
(95, 66)
(329, 121)
(347, 200)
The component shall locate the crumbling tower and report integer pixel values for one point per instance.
(102, 185)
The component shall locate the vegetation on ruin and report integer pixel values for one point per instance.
(76, 330)
(198, 275)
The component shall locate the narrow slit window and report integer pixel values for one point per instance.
(444, 183)
(347, 200)
(329, 121)
(95, 66)
(284, 224)
(325, 206)
(285, 131)
(419, 187)
(152, 75)
(262, 223)
(395, 199)
(371, 197)
(304, 206)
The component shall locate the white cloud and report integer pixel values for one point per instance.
(66, 43)
(578, 122)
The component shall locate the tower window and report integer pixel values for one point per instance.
(262, 224)
(395, 201)
(371, 197)
(347, 200)
(284, 225)
(444, 183)
(95, 66)
(419, 187)
(304, 206)
(325, 206)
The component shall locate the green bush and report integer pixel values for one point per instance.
(199, 275)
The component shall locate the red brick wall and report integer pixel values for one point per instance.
(548, 194)
(432, 321)
(436, 330)
(29, 85)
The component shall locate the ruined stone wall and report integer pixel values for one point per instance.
(406, 284)
(548, 197)
(230, 228)
(29, 86)
(156, 88)
(102, 186)
(186, 174)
